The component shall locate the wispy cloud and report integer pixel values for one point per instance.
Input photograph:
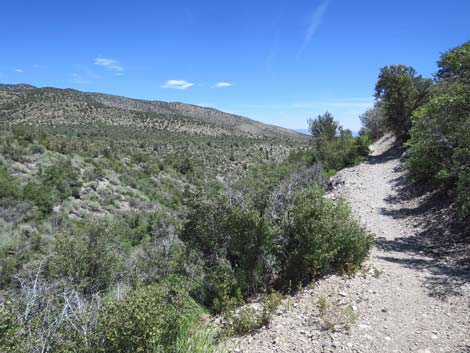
(315, 22)
(19, 70)
(177, 84)
(110, 65)
(223, 84)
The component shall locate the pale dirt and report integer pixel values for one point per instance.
(402, 301)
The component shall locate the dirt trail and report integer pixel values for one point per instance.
(403, 301)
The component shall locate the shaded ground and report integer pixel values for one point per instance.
(413, 294)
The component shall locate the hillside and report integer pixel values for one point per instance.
(52, 106)
(105, 199)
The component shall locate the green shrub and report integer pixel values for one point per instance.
(373, 122)
(55, 184)
(334, 147)
(248, 249)
(399, 91)
(9, 186)
(339, 152)
(248, 319)
(10, 331)
(185, 166)
(62, 178)
(323, 238)
(323, 126)
(41, 196)
(86, 256)
(235, 245)
(439, 147)
(161, 318)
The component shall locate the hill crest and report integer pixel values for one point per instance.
(28, 104)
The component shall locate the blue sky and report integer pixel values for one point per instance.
(277, 61)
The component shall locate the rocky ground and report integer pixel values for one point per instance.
(413, 294)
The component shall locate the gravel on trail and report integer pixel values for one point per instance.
(401, 301)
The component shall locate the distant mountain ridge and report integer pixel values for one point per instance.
(28, 104)
(15, 87)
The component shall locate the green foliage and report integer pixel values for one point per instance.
(41, 196)
(374, 122)
(243, 321)
(62, 179)
(439, 147)
(97, 220)
(323, 126)
(334, 147)
(339, 152)
(323, 238)
(249, 241)
(86, 257)
(248, 318)
(262, 180)
(400, 91)
(161, 318)
(10, 331)
(234, 243)
(18, 246)
(9, 188)
(454, 65)
(185, 166)
(56, 183)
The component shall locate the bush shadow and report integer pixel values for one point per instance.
(440, 246)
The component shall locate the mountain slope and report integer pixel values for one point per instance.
(27, 104)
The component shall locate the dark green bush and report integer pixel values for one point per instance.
(62, 178)
(340, 151)
(41, 196)
(9, 186)
(399, 91)
(10, 331)
(55, 184)
(235, 245)
(249, 248)
(323, 126)
(161, 318)
(439, 146)
(334, 147)
(86, 256)
(323, 238)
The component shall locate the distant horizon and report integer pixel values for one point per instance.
(279, 62)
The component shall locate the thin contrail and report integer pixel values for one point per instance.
(315, 22)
